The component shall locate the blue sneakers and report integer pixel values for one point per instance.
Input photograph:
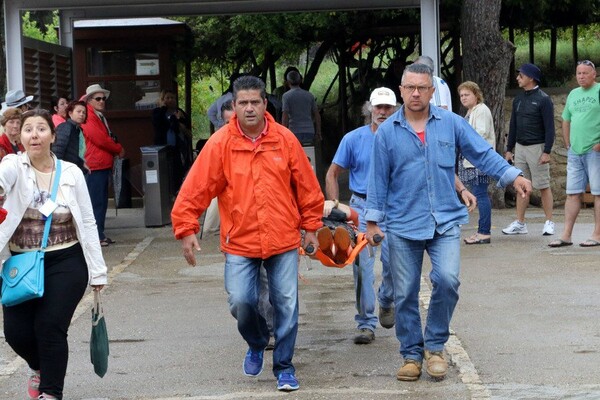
(287, 382)
(253, 362)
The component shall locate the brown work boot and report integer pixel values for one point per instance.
(437, 366)
(409, 371)
(342, 241)
(325, 239)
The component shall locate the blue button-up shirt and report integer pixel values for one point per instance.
(414, 181)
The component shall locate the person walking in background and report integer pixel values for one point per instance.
(101, 148)
(261, 218)
(530, 137)
(411, 189)
(354, 154)
(480, 118)
(10, 139)
(441, 95)
(172, 127)
(16, 99)
(300, 112)
(70, 143)
(58, 109)
(214, 111)
(581, 133)
(37, 329)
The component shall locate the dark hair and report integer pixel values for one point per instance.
(294, 78)
(418, 69)
(54, 102)
(38, 112)
(227, 106)
(249, 82)
(74, 104)
(288, 70)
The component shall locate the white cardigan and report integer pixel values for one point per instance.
(480, 118)
(17, 180)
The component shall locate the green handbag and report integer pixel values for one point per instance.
(99, 338)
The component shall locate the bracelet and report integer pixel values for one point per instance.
(336, 203)
(462, 190)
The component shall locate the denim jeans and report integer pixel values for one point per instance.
(407, 258)
(242, 282)
(366, 317)
(480, 190)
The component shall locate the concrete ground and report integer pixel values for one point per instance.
(526, 326)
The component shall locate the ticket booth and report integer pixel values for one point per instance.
(135, 59)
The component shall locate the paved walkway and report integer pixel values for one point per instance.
(525, 327)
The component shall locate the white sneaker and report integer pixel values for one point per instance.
(515, 228)
(548, 228)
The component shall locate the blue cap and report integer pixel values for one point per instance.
(531, 71)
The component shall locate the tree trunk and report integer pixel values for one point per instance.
(575, 38)
(486, 59)
(2, 55)
(553, 41)
(531, 43)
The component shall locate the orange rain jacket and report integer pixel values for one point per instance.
(266, 193)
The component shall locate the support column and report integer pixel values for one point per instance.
(14, 46)
(430, 32)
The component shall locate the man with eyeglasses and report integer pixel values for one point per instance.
(581, 133)
(412, 190)
(101, 148)
(530, 140)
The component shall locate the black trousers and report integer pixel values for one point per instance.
(37, 329)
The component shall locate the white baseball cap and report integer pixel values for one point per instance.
(383, 95)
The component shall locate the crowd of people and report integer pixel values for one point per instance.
(255, 173)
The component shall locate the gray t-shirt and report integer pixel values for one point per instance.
(300, 105)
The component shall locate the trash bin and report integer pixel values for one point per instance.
(157, 199)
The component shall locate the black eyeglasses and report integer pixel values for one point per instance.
(100, 98)
(586, 62)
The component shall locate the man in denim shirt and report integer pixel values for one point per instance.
(411, 185)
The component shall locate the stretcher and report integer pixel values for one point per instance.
(361, 242)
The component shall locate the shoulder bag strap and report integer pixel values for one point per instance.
(53, 198)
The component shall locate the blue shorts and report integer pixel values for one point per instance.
(581, 170)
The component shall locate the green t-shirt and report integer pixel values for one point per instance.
(583, 111)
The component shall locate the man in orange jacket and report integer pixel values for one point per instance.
(267, 193)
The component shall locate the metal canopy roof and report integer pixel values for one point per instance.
(73, 10)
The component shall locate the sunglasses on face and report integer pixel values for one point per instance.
(586, 62)
(100, 98)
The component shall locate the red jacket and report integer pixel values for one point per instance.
(266, 193)
(6, 146)
(100, 148)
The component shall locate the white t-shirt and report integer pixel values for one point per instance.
(441, 97)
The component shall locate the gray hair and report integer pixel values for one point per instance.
(249, 82)
(418, 69)
(426, 60)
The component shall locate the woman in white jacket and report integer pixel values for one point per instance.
(37, 329)
(480, 118)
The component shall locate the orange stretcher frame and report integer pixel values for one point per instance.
(361, 242)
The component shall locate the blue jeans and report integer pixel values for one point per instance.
(480, 190)
(242, 282)
(366, 317)
(97, 183)
(407, 258)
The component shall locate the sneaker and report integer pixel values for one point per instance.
(387, 317)
(515, 228)
(409, 371)
(437, 366)
(287, 382)
(253, 362)
(548, 228)
(33, 384)
(45, 396)
(364, 336)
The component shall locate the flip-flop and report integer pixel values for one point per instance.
(590, 243)
(559, 243)
(476, 240)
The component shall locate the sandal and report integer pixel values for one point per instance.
(104, 243)
(109, 240)
(475, 239)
